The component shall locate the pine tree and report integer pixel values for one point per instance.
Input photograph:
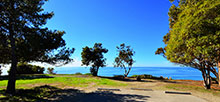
(24, 39)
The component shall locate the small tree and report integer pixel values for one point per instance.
(51, 71)
(94, 57)
(124, 58)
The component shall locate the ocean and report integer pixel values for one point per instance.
(185, 73)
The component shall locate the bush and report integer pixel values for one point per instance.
(78, 73)
(119, 76)
(87, 74)
(146, 76)
(51, 71)
(138, 78)
(24, 68)
(134, 76)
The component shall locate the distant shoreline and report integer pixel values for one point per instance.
(177, 73)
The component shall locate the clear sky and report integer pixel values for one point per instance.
(138, 23)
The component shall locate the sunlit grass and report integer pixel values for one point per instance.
(65, 80)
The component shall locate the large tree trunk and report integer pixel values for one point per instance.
(206, 78)
(219, 73)
(209, 80)
(12, 78)
(94, 71)
(12, 73)
(216, 73)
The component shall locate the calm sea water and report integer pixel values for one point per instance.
(173, 72)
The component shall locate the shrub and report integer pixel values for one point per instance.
(146, 76)
(119, 76)
(24, 68)
(134, 76)
(87, 74)
(138, 78)
(51, 71)
(78, 73)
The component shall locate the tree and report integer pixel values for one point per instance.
(23, 37)
(194, 36)
(124, 58)
(0, 70)
(94, 57)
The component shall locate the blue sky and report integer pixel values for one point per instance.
(138, 23)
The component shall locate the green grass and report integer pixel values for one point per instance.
(65, 80)
(40, 87)
(30, 95)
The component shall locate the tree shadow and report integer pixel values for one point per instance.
(134, 80)
(49, 93)
(27, 77)
(124, 79)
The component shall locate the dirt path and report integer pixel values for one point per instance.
(124, 95)
(161, 96)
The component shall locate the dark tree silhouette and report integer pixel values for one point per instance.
(24, 39)
(94, 57)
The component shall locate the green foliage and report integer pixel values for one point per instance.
(87, 74)
(78, 73)
(51, 71)
(24, 68)
(146, 76)
(32, 41)
(194, 36)
(24, 38)
(134, 76)
(124, 58)
(94, 57)
(118, 76)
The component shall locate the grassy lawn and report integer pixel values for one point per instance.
(41, 87)
(62, 81)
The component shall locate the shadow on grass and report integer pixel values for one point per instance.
(134, 79)
(49, 93)
(27, 77)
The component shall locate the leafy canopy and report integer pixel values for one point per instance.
(194, 32)
(25, 20)
(194, 36)
(24, 37)
(124, 58)
(94, 57)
